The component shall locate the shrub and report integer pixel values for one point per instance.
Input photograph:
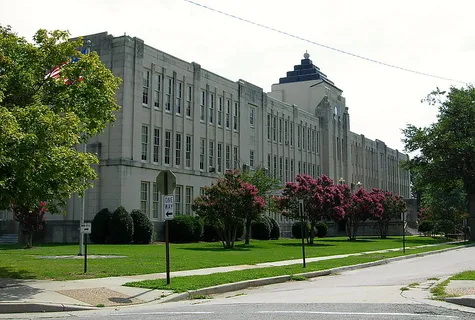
(210, 232)
(426, 226)
(185, 228)
(322, 229)
(143, 227)
(121, 226)
(100, 226)
(296, 231)
(275, 231)
(261, 228)
(444, 226)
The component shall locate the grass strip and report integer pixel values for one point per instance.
(187, 283)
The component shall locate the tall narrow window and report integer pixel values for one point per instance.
(286, 169)
(304, 140)
(299, 136)
(211, 108)
(274, 129)
(251, 158)
(144, 142)
(313, 140)
(318, 142)
(144, 186)
(235, 116)
(145, 86)
(156, 144)
(236, 157)
(280, 130)
(188, 152)
(268, 126)
(178, 202)
(157, 84)
(202, 154)
(211, 154)
(275, 167)
(189, 99)
(202, 105)
(305, 168)
(156, 202)
(169, 94)
(179, 91)
(281, 169)
(178, 149)
(300, 167)
(228, 114)
(188, 200)
(291, 133)
(220, 157)
(292, 176)
(220, 111)
(269, 165)
(286, 131)
(252, 116)
(309, 140)
(228, 157)
(168, 145)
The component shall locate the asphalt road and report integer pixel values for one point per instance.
(371, 293)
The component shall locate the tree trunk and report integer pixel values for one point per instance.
(471, 214)
(28, 239)
(248, 230)
(311, 233)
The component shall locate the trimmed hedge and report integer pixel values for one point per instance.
(275, 231)
(261, 228)
(322, 229)
(143, 227)
(296, 230)
(185, 228)
(426, 226)
(121, 226)
(100, 226)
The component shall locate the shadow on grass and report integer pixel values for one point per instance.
(7, 274)
(299, 244)
(218, 249)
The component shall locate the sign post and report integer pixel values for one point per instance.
(166, 183)
(302, 230)
(85, 230)
(403, 218)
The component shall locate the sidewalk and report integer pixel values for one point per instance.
(43, 295)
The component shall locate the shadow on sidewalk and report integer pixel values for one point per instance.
(12, 289)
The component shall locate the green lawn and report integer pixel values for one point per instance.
(16, 262)
(466, 275)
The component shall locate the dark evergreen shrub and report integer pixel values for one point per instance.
(261, 228)
(100, 226)
(275, 231)
(210, 232)
(121, 226)
(296, 230)
(185, 228)
(143, 227)
(322, 229)
(426, 226)
(446, 227)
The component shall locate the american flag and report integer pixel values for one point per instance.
(55, 72)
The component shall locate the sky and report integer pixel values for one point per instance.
(429, 36)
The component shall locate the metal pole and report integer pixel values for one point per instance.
(167, 244)
(302, 233)
(85, 252)
(403, 232)
(83, 210)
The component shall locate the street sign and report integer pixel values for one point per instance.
(168, 207)
(166, 182)
(85, 228)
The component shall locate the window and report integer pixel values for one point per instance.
(188, 199)
(281, 169)
(275, 167)
(299, 128)
(156, 145)
(202, 154)
(291, 133)
(157, 83)
(228, 157)
(280, 130)
(168, 145)
(235, 116)
(268, 126)
(155, 202)
(202, 191)
(286, 131)
(269, 165)
(188, 152)
(286, 169)
(274, 129)
(236, 158)
(211, 154)
(145, 86)
(144, 185)
(220, 111)
(314, 170)
(179, 89)
(304, 140)
(251, 158)
(228, 113)
(299, 168)
(144, 142)
(189, 99)
(169, 94)
(318, 142)
(292, 176)
(305, 168)
(178, 149)
(220, 157)
(177, 200)
(211, 108)
(202, 105)
(252, 116)
(313, 140)
(309, 141)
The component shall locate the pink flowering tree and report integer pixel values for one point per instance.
(226, 205)
(321, 198)
(30, 220)
(362, 206)
(393, 206)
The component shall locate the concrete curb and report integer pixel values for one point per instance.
(466, 301)
(228, 287)
(27, 307)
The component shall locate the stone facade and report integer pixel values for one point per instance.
(177, 115)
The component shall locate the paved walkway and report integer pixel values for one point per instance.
(110, 291)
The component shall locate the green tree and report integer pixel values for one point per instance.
(447, 147)
(266, 185)
(44, 118)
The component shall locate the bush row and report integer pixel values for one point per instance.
(321, 230)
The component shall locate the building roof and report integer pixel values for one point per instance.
(305, 71)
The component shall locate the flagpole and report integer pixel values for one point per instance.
(83, 198)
